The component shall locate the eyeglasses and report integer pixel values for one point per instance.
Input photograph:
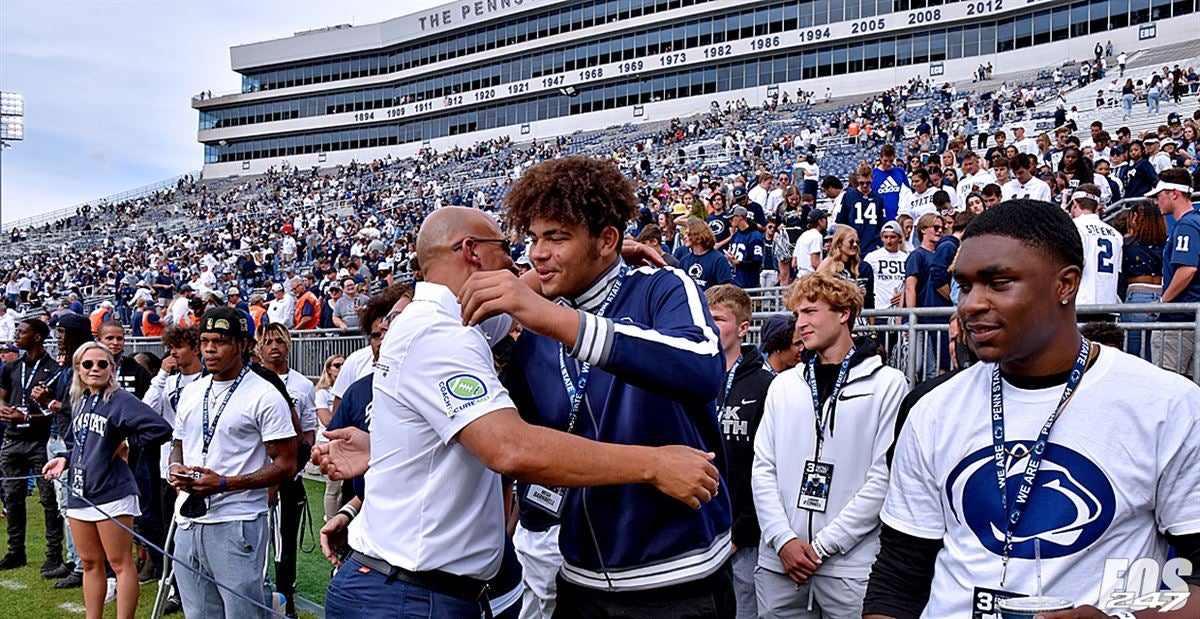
(88, 363)
(504, 244)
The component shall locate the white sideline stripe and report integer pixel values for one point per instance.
(13, 585)
(73, 607)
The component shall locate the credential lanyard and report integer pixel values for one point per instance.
(27, 376)
(81, 435)
(1000, 453)
(818, 413)
(211, 430)
(575, 388)
(729, 382)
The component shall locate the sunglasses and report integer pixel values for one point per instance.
(938, 228)
(337, 366)
(88, 363)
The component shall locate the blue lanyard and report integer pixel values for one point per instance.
(28, 376)
(211, 430)
(178, 391)
(81, 434)
(818, 413)
(1000, 454)
(729, 382)
(575, 388)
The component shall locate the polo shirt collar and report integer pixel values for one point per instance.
(593, 296)
(438, 295)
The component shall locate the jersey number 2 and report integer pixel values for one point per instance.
(1104, 263)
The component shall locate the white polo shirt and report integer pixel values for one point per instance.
(256, 414)
(430, 504)
(360, 364)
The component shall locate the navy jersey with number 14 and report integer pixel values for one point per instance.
(864, 213)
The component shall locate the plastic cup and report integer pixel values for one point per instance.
(1029, 607)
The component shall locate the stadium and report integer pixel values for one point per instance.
(745, 216)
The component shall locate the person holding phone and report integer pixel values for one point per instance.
(105, 422)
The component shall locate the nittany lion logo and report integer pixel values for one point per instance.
(695, 270)
(1072, 503)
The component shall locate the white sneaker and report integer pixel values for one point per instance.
(111, 593)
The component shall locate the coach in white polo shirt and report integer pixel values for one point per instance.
(234, 438)
(431, 530)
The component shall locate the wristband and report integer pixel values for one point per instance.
(222, 483)
(822, 554)
(348, 511)
(55, 405)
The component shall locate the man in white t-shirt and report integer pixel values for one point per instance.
(1102, 249)
(1026, 145)
(436, 393)
(1024, 184)
(974, 178)
(807, 255)
(977, 495)
(282, 308)
(888, 263)
(235, 437)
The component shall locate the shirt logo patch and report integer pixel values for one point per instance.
(1071, 506)
(465, 387)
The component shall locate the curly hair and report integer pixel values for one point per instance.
(840, 294)
(574, 190)
(176, 335)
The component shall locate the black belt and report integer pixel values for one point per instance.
(460, 587)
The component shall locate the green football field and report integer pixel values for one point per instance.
(25, 595)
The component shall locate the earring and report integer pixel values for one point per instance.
(1064, 301)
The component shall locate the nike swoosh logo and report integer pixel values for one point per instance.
(626, 319)
(745, 402)
(845, 397)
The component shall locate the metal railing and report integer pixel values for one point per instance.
(307, 355)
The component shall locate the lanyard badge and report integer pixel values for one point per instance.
(550, 500)
(81, 437)
(1036, 453)
(818, 476)
(211, 430)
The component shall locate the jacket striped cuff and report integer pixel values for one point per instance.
(682, 569)
(593, 343)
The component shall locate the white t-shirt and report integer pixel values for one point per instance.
(304, 394)
(808, 244)
(889, 274)
(974, 182)
(1118, 471)
(1102, 254)
(1035, 189)
(256, 414)
(359, 364)
(165, 389)
(323, 399)
(282, 310)
(431, 504)
(917, 204)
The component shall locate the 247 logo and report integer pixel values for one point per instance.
(1144, 583)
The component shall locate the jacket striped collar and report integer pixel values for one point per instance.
(593, 296)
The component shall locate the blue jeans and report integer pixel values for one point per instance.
(234, 553)
(1137, 343)
(1127, 104)
(1152, 98)
(354, 594)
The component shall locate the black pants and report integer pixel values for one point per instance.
(707, 598)
(19, 458)
(291, 503)
(151, 524)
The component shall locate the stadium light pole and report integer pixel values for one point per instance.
(12, 129)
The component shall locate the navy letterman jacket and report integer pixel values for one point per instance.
(656, 373)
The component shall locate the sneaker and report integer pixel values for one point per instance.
(74, 580)
(110, 593)
(172, 606)
(12, 561)
(146, 573)
(54, 569)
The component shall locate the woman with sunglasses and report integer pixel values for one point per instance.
(324, 398)
(844, 261)
(102, 494)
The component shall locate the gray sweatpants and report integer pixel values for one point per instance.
(233, 553)
(822, 597)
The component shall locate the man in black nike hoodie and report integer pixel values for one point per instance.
(739, 410)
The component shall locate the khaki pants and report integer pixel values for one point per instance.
(1174, 350)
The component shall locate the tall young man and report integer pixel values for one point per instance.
(24, 448)
(234, 439)
(863, 210)
(274, 347)
(820, 474)
(622, 342)
(1025, 465)
(739, 410)
(888, 180)
(1181, 257)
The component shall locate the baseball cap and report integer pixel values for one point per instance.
(277, 288)
(334, 285)
(1016, 126)
(186, 288)
(225, 320)
(739, 192)
(1165, 186)
(1152, 139)
(1173, 118)
(71, 320)
(817, 213)
(772, 326)
(739, 211)
(1168, 142)
(679, 209)
(234, 292)
(9, 348)
(892, 226)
